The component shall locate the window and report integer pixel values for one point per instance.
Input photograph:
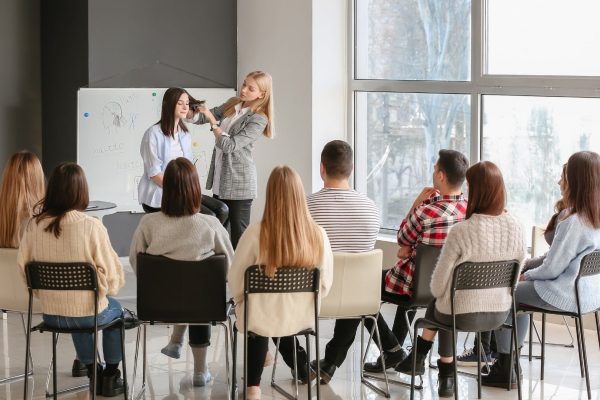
(513, 82)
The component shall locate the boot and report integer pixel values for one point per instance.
(500, 373)
(446, 379)
(423, 347)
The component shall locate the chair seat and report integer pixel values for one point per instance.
(43, 327)
(528, 308)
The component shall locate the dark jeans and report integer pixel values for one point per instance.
(488, 342)
(239, 217)
(257, 351)
(199, 335)
(345, 331)
(216, 208)
(470, 322)
(149, 210)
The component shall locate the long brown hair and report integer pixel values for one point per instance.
(167, 113)
(67, 191)
(559, 205)
(23, 185)
(181, 189)
(288, 235)
(487, 193)
(583, 186)
(262, 106)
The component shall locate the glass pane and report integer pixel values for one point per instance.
(530, 138)
(543, 37)
(413, 39)
(398, 138)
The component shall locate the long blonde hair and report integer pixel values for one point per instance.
(288, 235)
(22, 187)
(261, 106)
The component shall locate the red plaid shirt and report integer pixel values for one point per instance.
(429, 223)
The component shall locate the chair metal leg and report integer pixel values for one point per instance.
(517, 362)
(27, 350)
(234, 386)
(363, 377)
(309, 388)
(126, 389)
(478, 366)
(530, 336)
(54, 362)
(454, 357)
(279, 388)
(19, 376)
(135, 361)
(414, 366)
(275, 361)
(578, 329)
(585, 363)
(543, 346)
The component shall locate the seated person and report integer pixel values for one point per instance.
(61, 232)
(350, 219)
(430, 217)
(179, 232)
(286, 237)
(469, 356)
(551, 285)
(489, 233)
(22, 187)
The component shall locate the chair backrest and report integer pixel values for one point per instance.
(539, 246)
(13, 290)
(121, 226)
(485, 275)
(175, 291)
(356, 287)
(61, 276)
(425, 263)
(590, 264)
(286, 280)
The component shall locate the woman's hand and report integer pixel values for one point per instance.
(217, 132)
(521, 278)
(211, 118)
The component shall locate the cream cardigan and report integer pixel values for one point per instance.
(82, 238)
(274, 315)
(480, 238)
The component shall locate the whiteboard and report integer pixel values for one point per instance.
(110, 126)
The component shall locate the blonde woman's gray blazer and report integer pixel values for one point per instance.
(238, 171)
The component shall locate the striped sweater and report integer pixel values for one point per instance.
(350, 219)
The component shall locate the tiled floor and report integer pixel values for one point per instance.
(171, 379)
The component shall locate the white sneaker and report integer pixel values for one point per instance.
(201, 378)
(253, 393)
(172, 350)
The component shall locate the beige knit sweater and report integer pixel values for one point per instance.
(82, 238)
(479, 238)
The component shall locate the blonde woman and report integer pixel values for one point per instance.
(286, 236)
(237, 125)
(23, 185)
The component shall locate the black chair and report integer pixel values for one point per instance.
(67, 276)
(590, 265)
(286, 280)
(476, 276)
(425, 263)
(181, 292)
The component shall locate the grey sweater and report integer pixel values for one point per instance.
(190, 238)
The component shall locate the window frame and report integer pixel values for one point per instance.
(480, 84)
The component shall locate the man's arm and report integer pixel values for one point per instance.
(410, 228)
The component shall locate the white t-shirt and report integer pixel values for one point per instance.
(176, 150)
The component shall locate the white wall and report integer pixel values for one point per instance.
(302, 45)
(275, 36)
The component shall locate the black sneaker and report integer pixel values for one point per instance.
(99, 372)
(112, 385)
(78, 369)
(391, 360)
(326, 370)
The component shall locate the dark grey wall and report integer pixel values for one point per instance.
(64, 57)
(141, 43)
(132, 43)
(20, 94)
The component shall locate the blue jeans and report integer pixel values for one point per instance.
(524, 294)
(84, 342)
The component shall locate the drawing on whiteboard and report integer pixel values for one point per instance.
(112, 116)
(136, 182)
